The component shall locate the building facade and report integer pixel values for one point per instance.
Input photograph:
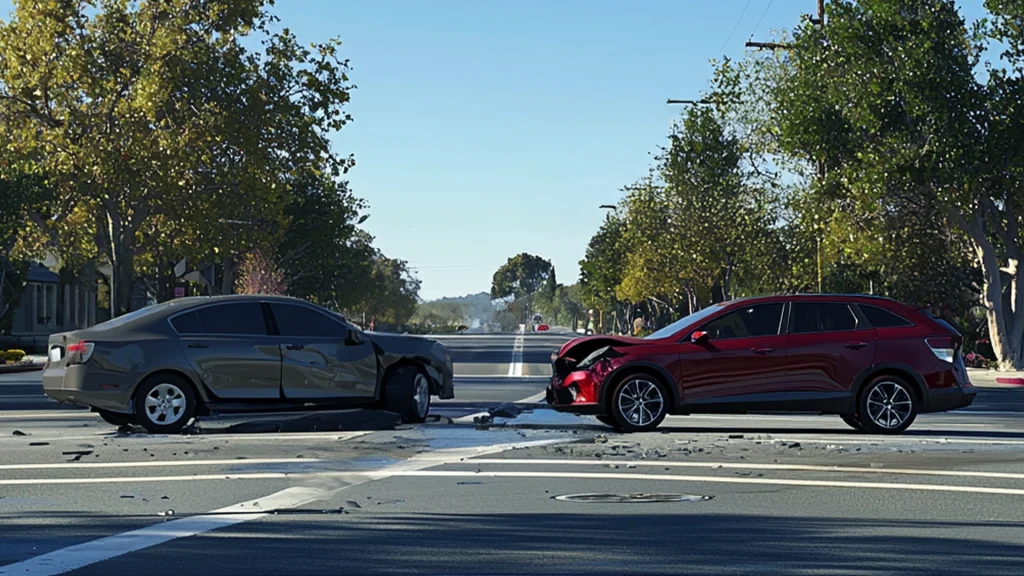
(51, 305)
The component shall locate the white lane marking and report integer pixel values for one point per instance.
(209, 436)
(158, 464)
(515, 367)
(752, 466)
(31, 415)
(712, 480)
(145, 479)
(902, 440)
(81, 555)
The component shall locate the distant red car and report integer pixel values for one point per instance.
(875, 362)
(542, 327)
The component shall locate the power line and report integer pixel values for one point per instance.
(724, 44)
(763, 14)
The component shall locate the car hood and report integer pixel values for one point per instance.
(403, 344)
(579, 348)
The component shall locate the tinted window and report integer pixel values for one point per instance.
(294, 320)
(187, 323)
(821, 317)
(126, 318)
(881, 318)
(760, 320)
(235, 318)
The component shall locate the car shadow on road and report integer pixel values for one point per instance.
(675, 540)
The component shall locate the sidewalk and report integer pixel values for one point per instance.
(994, 379)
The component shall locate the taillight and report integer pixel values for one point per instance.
(80, 353)
(943, 348)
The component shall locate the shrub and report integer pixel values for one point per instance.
(13, 356)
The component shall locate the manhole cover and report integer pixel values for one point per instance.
(631, 498)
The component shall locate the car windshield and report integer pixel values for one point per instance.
(683, 322)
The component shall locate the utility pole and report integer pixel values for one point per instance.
(819, 21)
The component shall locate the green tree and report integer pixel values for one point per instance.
(324, 254)
(391, 296)
(154, 120)
(17, 195)
(886, 98)
(520, 278)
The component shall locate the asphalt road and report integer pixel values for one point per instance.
(758, 494)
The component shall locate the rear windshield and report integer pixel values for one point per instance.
(122, 320)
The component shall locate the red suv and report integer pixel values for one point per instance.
(875, 362)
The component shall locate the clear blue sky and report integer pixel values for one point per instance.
(488, 128)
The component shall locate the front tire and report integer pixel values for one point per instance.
(887, 406)
(408, 394)
(639, 403)
(164, 404)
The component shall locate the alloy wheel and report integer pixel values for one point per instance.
(889, 405)
(165, 404)
(421, 393)
(640, 402)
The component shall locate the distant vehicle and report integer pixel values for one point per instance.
(161, 366)
(542, 327)
(872, 361)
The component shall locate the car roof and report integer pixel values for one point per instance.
(812, 297)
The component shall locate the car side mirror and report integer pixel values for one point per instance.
(699, 337)
(352, 338)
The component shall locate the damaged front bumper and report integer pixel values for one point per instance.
(577, 393)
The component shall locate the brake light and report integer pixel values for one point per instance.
(80, 353)
(943, 348)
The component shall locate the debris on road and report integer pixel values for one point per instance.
(18, 433)
(505, 410)
(166, 513)
(38, 443)
(76, 454)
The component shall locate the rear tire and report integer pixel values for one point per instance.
(852, 422)
(887, 406)
(164, 404)
(639, 403)
(114, 418)
(407, 393)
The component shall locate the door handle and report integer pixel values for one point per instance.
(294, 347)
(856, 345)
(198, 345)
(761, 350)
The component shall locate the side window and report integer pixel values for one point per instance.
(187, 323)
(882, 318)
(302, 321)
(822, 317)
(242, 318)
(760, 320)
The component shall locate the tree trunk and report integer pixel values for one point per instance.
(227, 284)
(1005, 326)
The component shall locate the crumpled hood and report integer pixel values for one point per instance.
(403, 344)
(591, 343)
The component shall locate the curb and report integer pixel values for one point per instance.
(18, 369)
